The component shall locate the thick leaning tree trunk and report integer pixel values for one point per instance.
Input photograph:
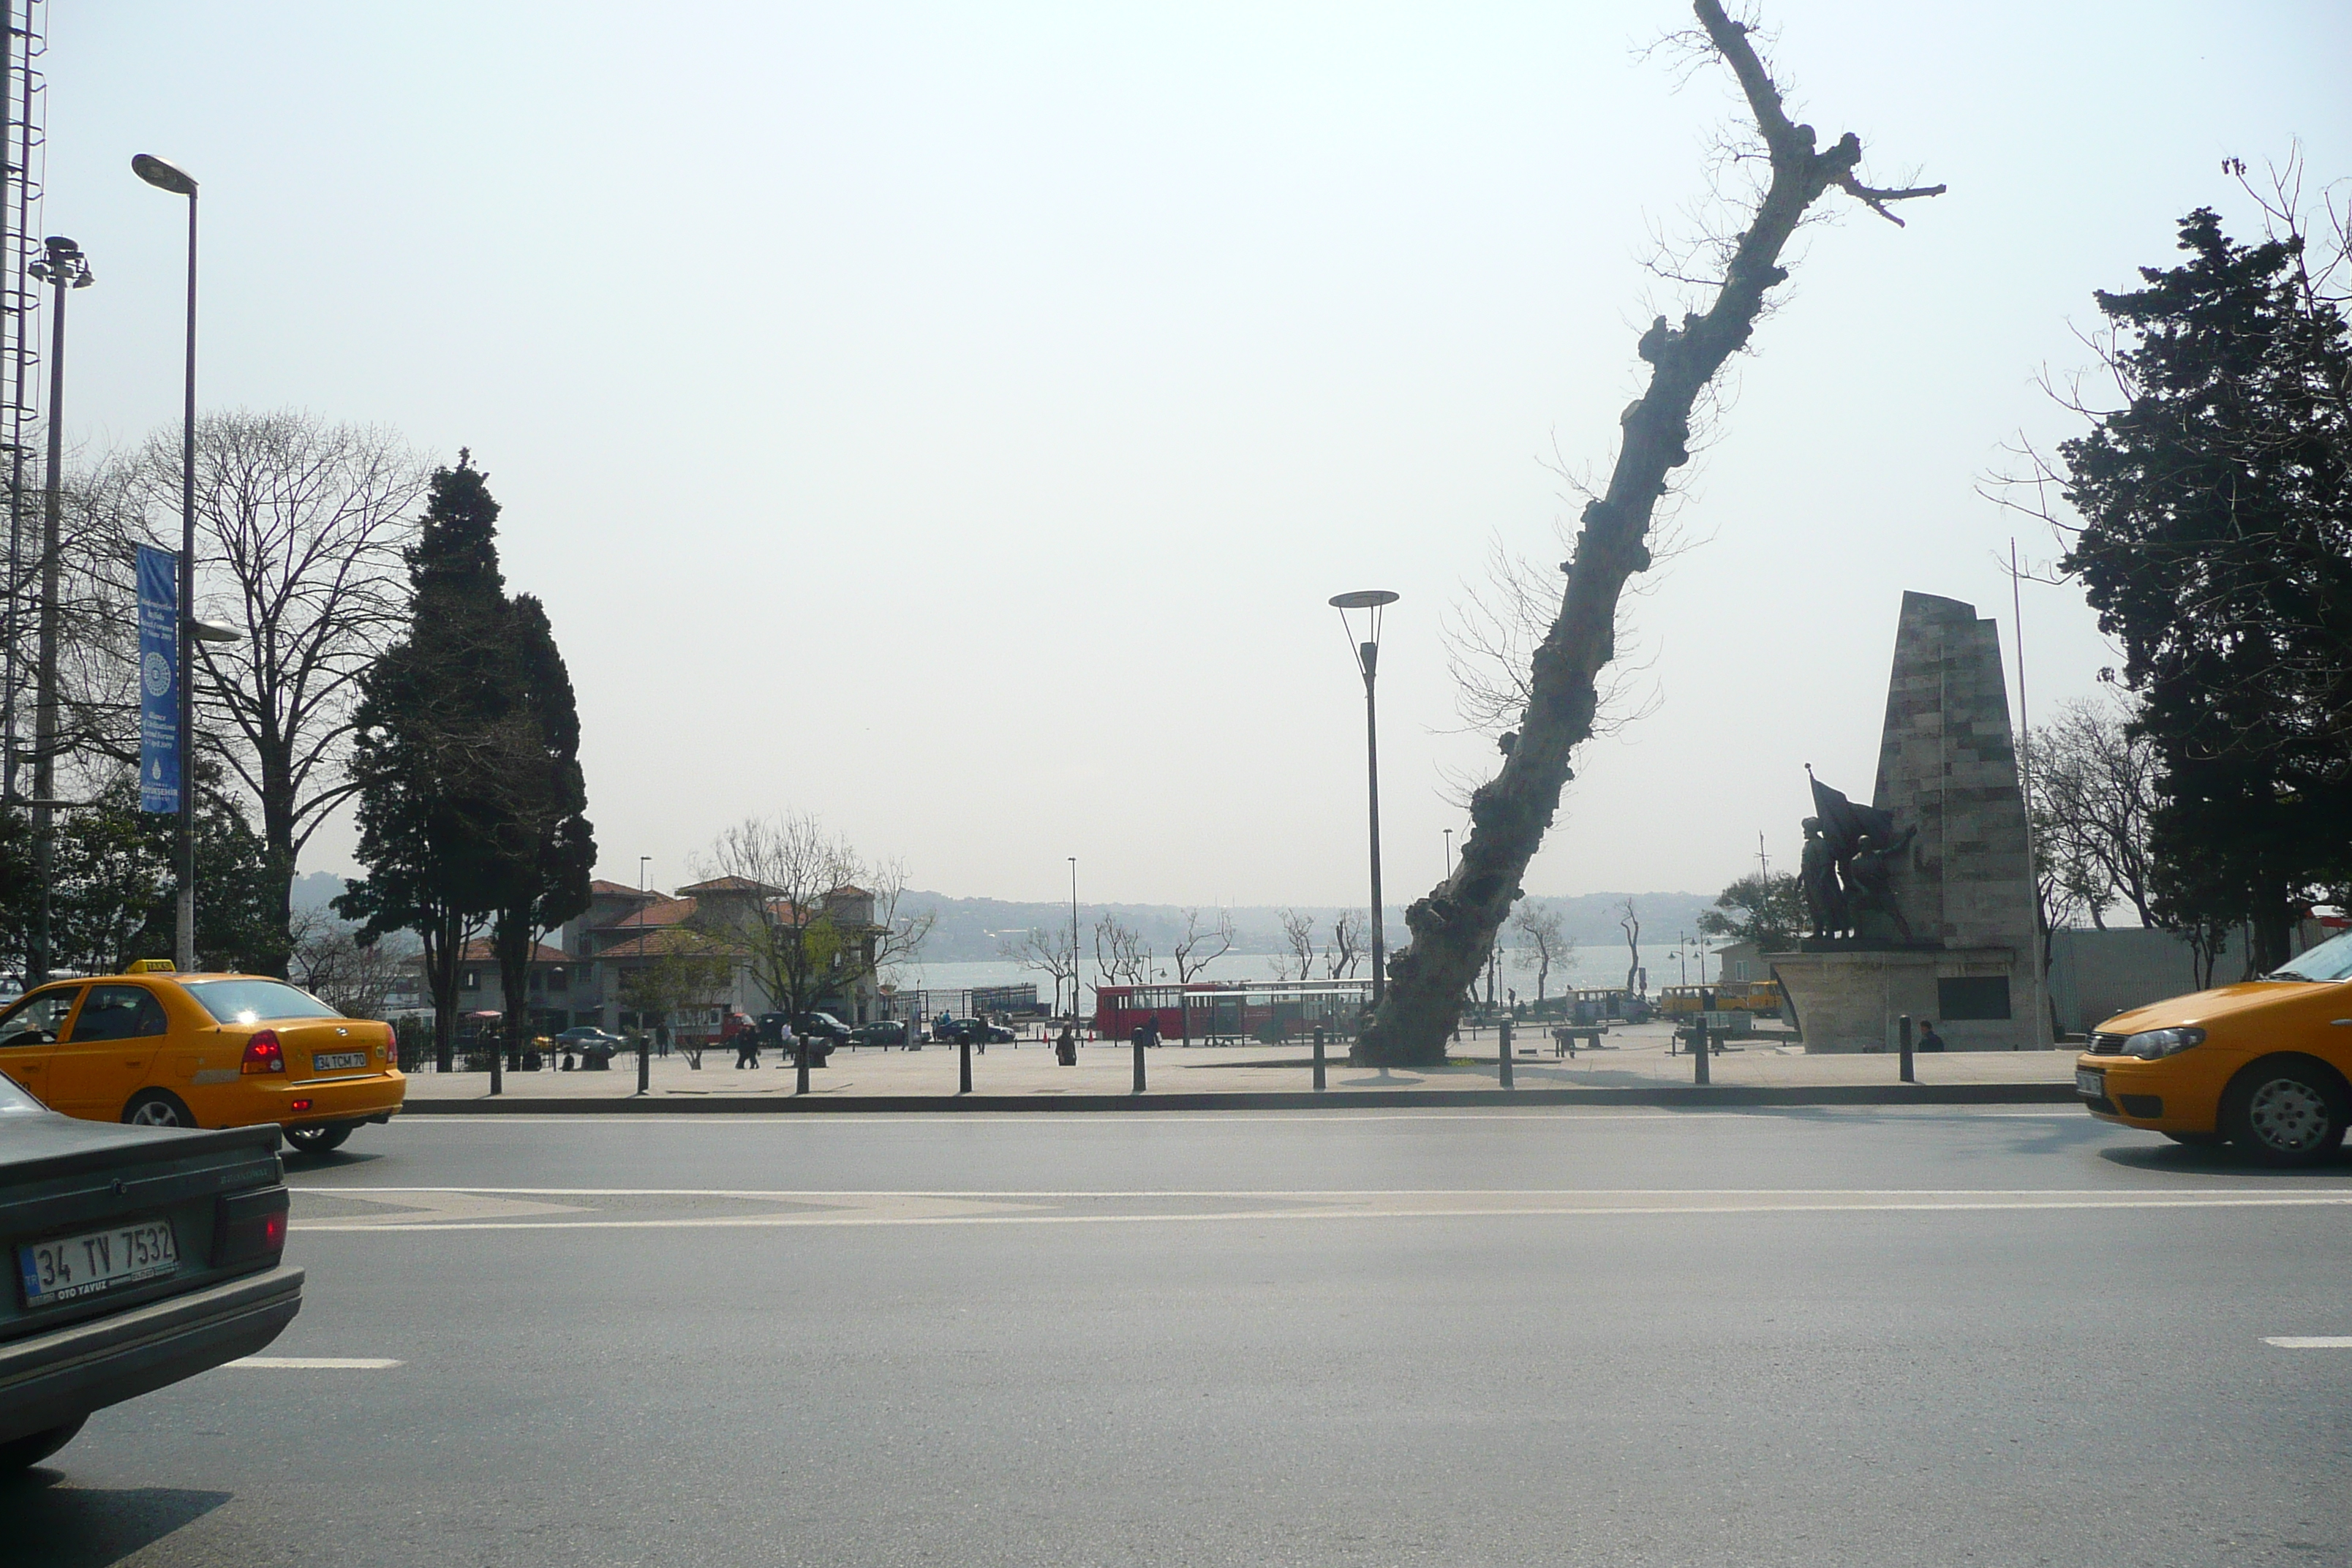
(1453, 927)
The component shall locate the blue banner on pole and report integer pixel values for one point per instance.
(159, 683)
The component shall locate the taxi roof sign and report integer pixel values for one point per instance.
(149, 966)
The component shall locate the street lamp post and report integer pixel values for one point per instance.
(170, 177)
(63, 267)
(1371, 601)
(1074, 939)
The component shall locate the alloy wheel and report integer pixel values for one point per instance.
(157, 1113)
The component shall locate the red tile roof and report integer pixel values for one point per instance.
(601, 888)
(729, 885)
(663, 944)
(668, 913)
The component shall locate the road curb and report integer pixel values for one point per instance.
(1685, 1096)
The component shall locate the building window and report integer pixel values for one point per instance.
(559, 978)
(470, 980)
(1973, 998)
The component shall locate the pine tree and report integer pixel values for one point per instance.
(2217, 548)
(426, 756)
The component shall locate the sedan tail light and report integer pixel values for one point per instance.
(263, 1053)
(249, 1227)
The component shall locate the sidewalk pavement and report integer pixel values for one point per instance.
(1637, 1065)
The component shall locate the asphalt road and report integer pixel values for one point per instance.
(1824, 1337)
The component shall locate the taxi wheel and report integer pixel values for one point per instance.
(317, 1139)
(2285, 1111)
(156, 1109)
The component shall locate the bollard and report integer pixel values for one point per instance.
(1318, 1058)
(1903, 1039)
(1698, 1048)
(1138, 1064)
(1504, 1034)
(963, 1062)
(800, 1082)
(644, 1071)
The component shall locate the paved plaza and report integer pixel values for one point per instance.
(1640, 1057)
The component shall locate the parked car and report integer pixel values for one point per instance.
(2265, 1065)
(977, 1031)
(823, 1026)
(881, 1032)
(143, 1255)
(592, 1046)
(163, 1049)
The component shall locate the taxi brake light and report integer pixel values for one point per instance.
(263, 1053)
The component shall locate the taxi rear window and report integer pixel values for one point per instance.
(256, 1000)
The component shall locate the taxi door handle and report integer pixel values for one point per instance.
(2339, 1023)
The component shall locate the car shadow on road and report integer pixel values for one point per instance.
(2175, 1159)
(67, 1526)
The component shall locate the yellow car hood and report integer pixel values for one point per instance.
(2206, 1006)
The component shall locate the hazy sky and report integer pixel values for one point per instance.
(951, 419)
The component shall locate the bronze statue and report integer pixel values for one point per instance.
(1825, 899)
(1868, 877)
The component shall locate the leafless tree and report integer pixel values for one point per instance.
(1453, 927)
(1050, 953)
(326, 958)
(300, 528)
(2095, 790)
(1629, 921)
(1201, 945)
(1121, 956)
(1298, 938)
(1347, 948)
(1539, 930)
(801, 907)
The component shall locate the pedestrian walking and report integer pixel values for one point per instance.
(1066, 1048)
(661, 1039)
(1150, 1028)
(1928, 1039)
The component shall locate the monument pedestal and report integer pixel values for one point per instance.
(1849, 996)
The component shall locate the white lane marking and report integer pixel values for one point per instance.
(2310, 1342)
(1193, 1118)
(1334, 1212)
(315, 1362)
(2342, 1194)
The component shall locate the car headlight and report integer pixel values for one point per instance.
(2150, 1044)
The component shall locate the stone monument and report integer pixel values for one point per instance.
(1922, 902)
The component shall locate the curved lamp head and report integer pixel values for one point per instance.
(163, 175)
(1364, 599)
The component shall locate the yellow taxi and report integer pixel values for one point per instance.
(2265, 1065)
(161, 1050)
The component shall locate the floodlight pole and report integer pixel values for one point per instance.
(63, 267)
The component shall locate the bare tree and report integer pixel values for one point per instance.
(326, 958)
(1049, 952)
(1453, 926)
(2094, 792)
(301, 527)
(791, 895)
(1121, 955)
(1201, 945)
(1540, 927)
(1299, 936)
(1629, 921)
(1347, 948)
